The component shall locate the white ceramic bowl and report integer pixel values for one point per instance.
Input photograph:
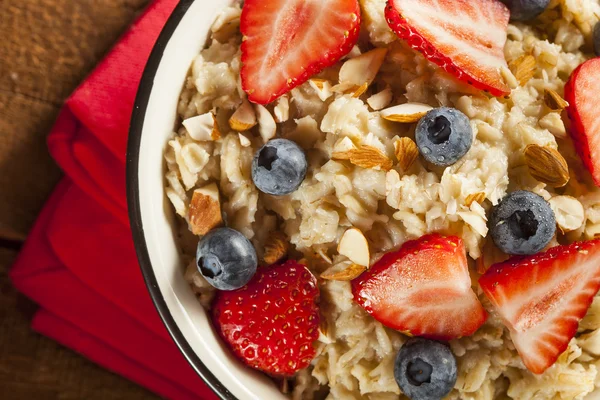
(151, 215)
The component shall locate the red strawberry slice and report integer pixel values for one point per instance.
(464, 37)
(288, 41)
(424, 289)
(271, 323)
(581, 92)
(542, 298)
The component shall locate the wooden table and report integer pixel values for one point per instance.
(46, 48)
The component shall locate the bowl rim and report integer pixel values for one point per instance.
(136, 128)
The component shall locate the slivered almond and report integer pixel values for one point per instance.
(203, 127)
(243, 118)
(266, 123)
(547, 165)
(365, 157)
(553, 100)
(276, 247)
(205, 209)
(406, 152)
(355, 247)
(406, 113)
(353, 271)
(523, 68)
(478, 197)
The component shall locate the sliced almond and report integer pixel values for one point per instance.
(243, 118)
(547, 165)
(203, 127)
(406, 113)
(360, 90)
(266, 124)
(406, 152)
(523, 68)
(363, 69)
(354, 245)
(553, 100)
(478, 197)
(353, 271)
(365, 157)
(380, 100)
(282, 109)
(322, 87)
(205, 209)
(568, 211)
(276, 247)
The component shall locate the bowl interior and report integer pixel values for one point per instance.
(152, 218)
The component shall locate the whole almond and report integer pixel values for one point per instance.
(547, 165)
(406, 152)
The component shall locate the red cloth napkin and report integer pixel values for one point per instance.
(79, 263)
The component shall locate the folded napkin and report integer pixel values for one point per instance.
(79, 263)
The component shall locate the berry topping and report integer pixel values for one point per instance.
(288, 41)
(525, 10)
(542, 298)
(226, 259)
(271, 323)
(279, 167)
(423, 289)
(522, 223)
(465, 38)
(444, 135)
(425, 370)
(581, 92)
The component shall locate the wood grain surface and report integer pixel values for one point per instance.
(46, 48)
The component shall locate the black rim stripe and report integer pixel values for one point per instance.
(133, 200)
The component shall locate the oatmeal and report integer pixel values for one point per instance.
(356, 123)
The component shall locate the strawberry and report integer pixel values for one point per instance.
(423, 289)
(580, 93)
(464, 37)
(271, 323)
(542, 298)
(288, 41)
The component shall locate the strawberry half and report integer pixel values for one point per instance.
(271, 323)
(580, 93)
(542, 298)
(424, 289)
(288, 41)
(464, 37)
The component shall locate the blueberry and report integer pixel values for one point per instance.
(444, 136)
(522, 223)
(279, 167)
(597, 39)
(525, 10)
(226, 259)
(425, 370)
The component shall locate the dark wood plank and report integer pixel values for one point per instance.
(33, 367)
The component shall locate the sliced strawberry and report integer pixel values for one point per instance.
(581, 93)
(542, 298)
(424, 289)
(465, 37)
(271, 323)
(288, 41)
